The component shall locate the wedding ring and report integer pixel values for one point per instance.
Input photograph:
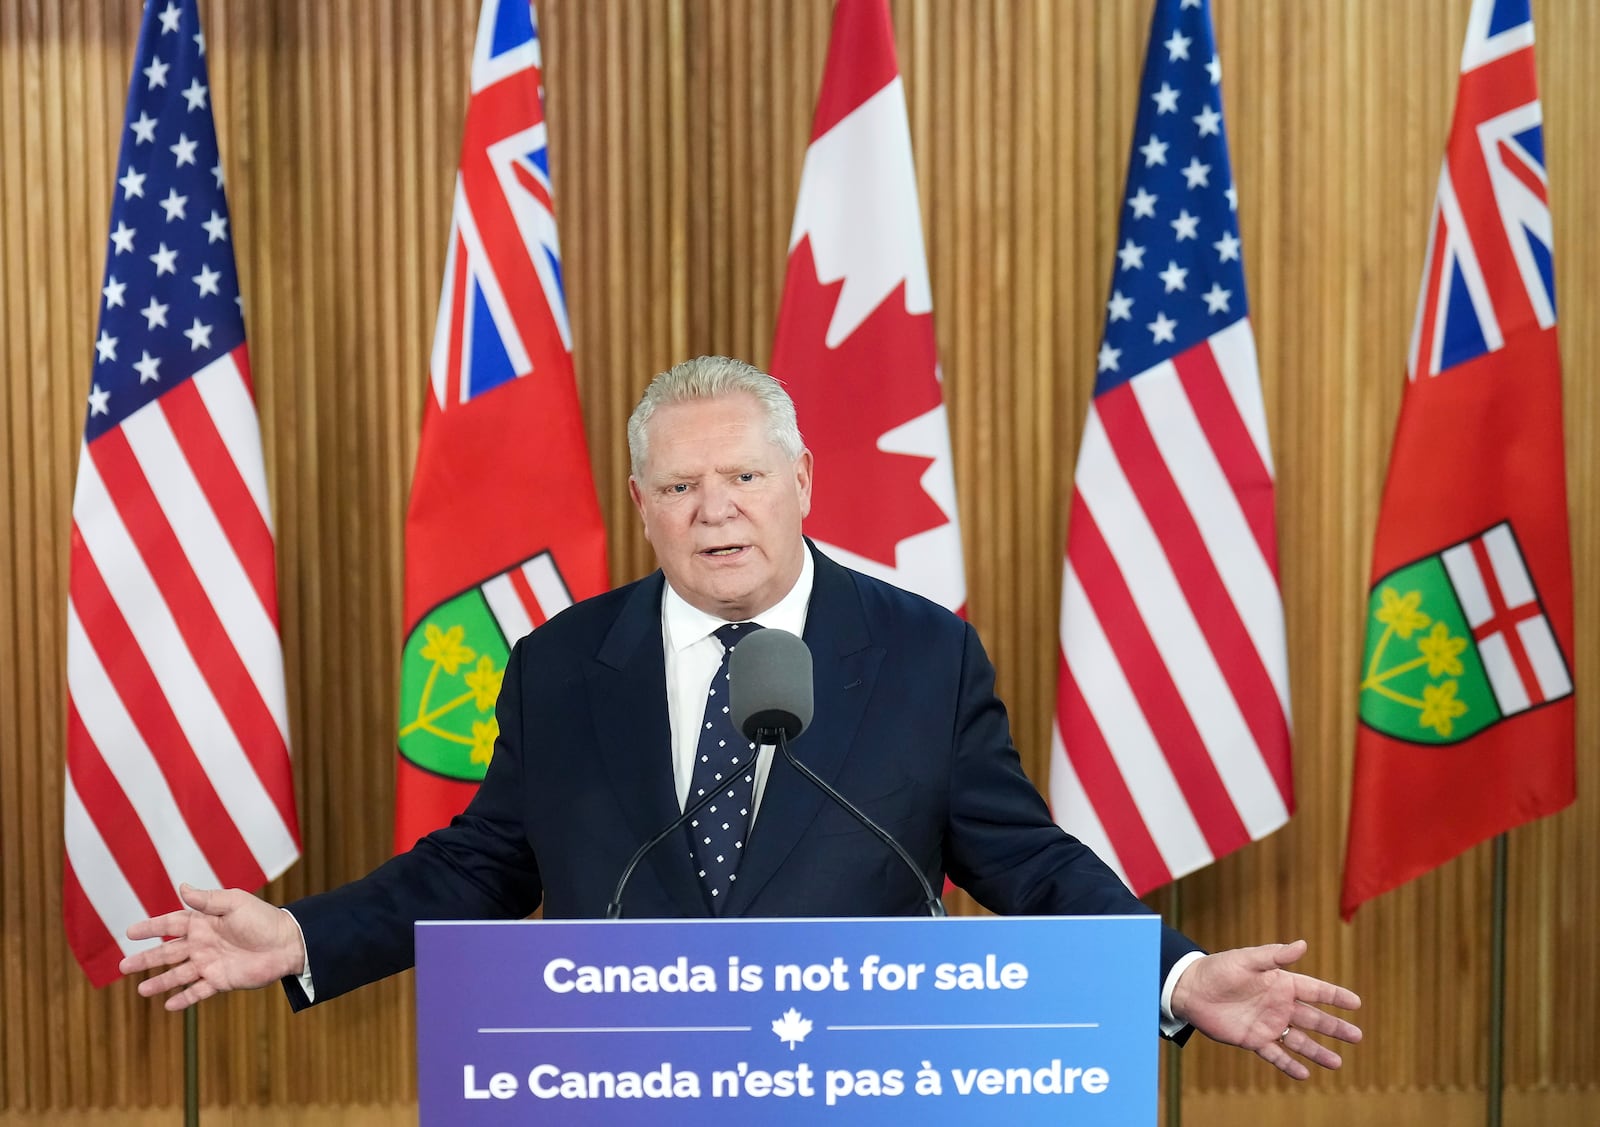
(1285, 1032)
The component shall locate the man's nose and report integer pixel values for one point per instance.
(717, 503)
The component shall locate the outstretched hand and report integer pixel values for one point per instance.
(1245, 997)
(225, 940)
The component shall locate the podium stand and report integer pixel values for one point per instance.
(882, 1021)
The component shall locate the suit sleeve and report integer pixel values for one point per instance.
(480, 866)
(1002, 845)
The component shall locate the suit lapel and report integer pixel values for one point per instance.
(844, 667)
(628, 698)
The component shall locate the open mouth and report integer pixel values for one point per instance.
(724, 551)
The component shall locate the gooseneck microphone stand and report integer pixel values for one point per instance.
(780, 737)
(614, 909)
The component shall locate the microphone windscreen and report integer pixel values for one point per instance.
(769, 684)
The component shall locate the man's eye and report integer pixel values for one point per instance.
(747, 477)
(678, 487)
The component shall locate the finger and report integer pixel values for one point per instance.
(172, 951)
(160, 927)
(1284, 954)
(1314, 1020)
(1281, 1059)
(1318, 992)
(179, 976)
(194, 993)
(1272, 956)
(211, 901)
(1299, 1041)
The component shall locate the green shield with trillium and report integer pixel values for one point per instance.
(1423, 679)
(1459, 641)
(450, 678)
(455, 659)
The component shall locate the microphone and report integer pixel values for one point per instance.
(770, 700)
(769, 685)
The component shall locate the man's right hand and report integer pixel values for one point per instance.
(225, 940)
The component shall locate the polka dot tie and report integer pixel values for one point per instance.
(724, 761)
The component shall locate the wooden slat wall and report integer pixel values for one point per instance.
(678, 127)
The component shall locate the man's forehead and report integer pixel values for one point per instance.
(709, 423)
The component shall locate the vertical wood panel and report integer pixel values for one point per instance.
(677, 134)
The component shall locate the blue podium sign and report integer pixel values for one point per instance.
(962, 1020)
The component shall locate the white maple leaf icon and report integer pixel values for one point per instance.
(791, 1027)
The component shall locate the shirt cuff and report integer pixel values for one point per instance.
(305, 974)
(1170, 1025)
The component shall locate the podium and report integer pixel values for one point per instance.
(1019, 1020)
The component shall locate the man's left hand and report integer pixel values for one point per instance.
(1245, 997)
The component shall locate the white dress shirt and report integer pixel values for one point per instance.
(693, 656)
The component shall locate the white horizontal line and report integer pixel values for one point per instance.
(1002, 1025)
(768, 921)
(624, 1029)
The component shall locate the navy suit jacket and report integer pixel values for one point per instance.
(907, 726)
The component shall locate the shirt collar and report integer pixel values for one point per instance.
(684, 625)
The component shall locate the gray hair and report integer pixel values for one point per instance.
(709, 377)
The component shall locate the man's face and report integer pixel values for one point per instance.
(722, 505)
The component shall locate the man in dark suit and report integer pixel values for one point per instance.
(609, 716)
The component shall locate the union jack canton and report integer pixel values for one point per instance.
(503, 226)
(1489, 269)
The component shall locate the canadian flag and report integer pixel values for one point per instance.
(854, 343)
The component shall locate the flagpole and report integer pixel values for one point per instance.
(1497, 985)
(191, 1068)
(1174, 1056)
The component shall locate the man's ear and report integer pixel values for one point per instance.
(802, 475)
(638, 502)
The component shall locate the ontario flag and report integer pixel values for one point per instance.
(1466, 704)
(1172, 716)
(854, 343)
(177, 757)
(503, 529)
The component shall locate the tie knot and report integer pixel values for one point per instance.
(729, 633)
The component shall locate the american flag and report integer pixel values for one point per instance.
(1172, 736)
(177, 730)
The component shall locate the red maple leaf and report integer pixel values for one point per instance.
(882, 375)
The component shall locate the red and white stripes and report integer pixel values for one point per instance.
(178, 737)
(1172, 742)
(527, 596)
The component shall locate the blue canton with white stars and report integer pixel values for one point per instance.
(1179, 277)
(170, 302)
(724, 761)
